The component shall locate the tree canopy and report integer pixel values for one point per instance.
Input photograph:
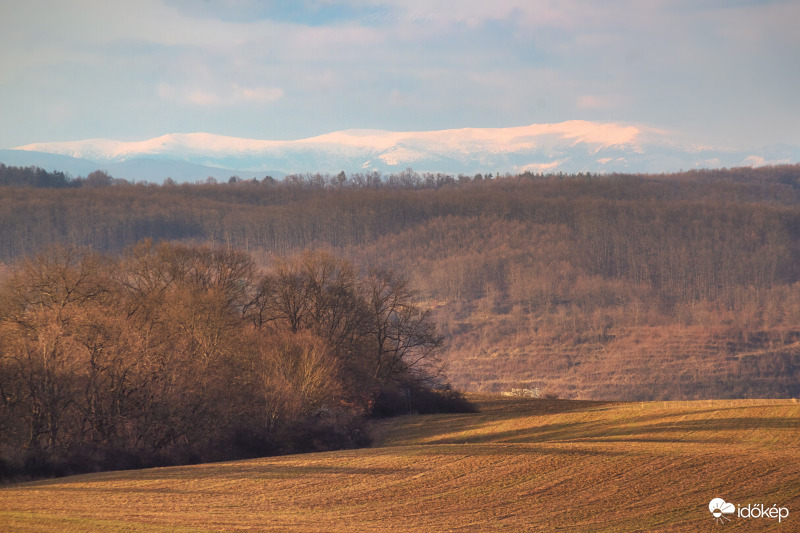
(175, 353)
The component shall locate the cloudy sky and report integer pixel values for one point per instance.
(724, 72)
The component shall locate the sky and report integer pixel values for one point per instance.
(720, 72)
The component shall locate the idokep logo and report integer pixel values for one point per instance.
(720, 508)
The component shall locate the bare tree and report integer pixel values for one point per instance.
(402, 334)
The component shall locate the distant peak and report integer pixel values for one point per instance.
(604, 133)
(569, 146)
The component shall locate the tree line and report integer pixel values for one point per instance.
(171, 354)
(690, 236)
(39, 178)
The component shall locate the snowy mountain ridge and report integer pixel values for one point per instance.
(572, 146)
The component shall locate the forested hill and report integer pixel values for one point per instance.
(316, 210)
(614, 287)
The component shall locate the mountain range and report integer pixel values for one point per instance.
(569, 147)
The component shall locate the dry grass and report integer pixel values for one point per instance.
(644, 363)
(517, 465)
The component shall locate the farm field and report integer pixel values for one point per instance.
(517, 465)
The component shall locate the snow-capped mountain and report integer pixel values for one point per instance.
(573, 146)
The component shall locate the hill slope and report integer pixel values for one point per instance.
(633, 288)
(518, 465)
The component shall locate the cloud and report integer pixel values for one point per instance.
(228, 96)
(399, 65)
(472, 13)
(591, 101)
(395, 97)
(261, 95)
(758, 161)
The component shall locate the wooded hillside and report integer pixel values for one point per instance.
(608, 287)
